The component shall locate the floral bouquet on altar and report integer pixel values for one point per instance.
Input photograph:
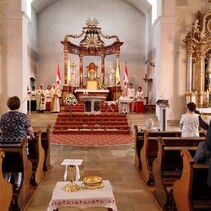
(70, 100)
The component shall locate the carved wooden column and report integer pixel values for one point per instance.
(103, 68)
(200, 75)
(65, 62)
(189, 68)
(81, 71)
(118, 63)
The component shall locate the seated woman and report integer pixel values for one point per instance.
(150, 125)
(15, 125)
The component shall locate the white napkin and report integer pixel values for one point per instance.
(77, 173)
(65, 173)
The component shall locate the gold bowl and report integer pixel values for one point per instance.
(92, 182)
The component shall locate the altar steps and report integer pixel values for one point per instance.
(80, 108)
(91, 124)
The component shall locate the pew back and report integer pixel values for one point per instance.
(191, 190)
(16, 161)
(168, 165)
(6, 191)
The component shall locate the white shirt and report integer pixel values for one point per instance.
(190, 125)
(131, 92)
(139, 96)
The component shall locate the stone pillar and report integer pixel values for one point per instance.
(14, 77)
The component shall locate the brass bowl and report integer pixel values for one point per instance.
(92, 182)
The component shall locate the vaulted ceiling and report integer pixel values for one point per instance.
(141, 5)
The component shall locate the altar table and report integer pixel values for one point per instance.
(92, 104)
(84, 198)
(91, 92)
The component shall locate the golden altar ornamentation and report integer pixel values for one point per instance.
(198, 82)
(92, 44)
(71, 187)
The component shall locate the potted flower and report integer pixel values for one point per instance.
(70, 100)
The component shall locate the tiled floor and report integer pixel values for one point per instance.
(111, 163)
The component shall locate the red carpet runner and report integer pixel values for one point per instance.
(105, 129)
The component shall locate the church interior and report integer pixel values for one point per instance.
(94, 50)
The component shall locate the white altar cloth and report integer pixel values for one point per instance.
(84, 198)
(126, 100)
(92, 90)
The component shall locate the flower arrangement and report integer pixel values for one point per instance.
(70, 100)
(102, 86)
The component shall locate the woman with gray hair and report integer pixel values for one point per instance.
(150, 123)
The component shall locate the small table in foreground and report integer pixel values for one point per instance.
(84, 198)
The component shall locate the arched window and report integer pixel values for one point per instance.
(154, 9)
(26, 7)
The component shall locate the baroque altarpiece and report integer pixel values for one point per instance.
(91, 44)
(198, 41)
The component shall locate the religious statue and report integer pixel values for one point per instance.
(208, 73)
(111, 77)
(196, 26)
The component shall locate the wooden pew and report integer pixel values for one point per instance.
(15, 161)
(36, 156)
(45, 140)
(191, 191)
(149, 151)
(139, 141)
(6, 190)
(167, 166)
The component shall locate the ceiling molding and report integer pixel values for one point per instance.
(142, 5)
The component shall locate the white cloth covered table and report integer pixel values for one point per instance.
(84, 198)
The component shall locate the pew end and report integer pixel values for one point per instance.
(6, 189)
(191, 191)
(16, 161)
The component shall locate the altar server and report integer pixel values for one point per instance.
(131, 94)
(139, 100)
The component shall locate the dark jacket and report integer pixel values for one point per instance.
(207, 127)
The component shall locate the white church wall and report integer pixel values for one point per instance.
(13, 53)
(32, 48)
(68, 17)
(170, 67)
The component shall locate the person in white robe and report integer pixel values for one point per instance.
(131, 94)
(123, 107)
(55, 94)
(40, 99)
